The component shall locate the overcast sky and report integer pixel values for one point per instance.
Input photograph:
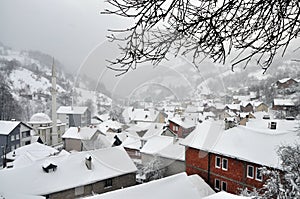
(66, 29)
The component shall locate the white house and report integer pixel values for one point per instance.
(72, 175)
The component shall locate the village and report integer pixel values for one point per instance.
(195, 148)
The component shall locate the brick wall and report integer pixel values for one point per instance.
(235, 176)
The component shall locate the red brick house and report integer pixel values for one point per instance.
(231, 159)
(182, 127)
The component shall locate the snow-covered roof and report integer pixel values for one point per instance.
(282, 81)
(6, 127)
(283, 102)
(40, 118)
(176, 187)
(245, 103)
(71, 172)
(36, 150)
(225, 195)
(135, 114)
(14, 195)
(186, 123)
(233, 106)
(140, 126)
(242, 97)
(257, 103)
(81, 133)
(153, 130)
(71, 110)
(109, 124)
(132, 142)
(253, 143)
(164, 146)
(102, 117)
(193, 109)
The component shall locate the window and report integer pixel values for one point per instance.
(217, 184)
(12, 137)
(79, 190)
(250, 171)
(218, 162)
(27, 142)
(17, 146)
(12, 147)
(224, 186)
(108, 183)
(17, 137)
(175, 128)
(258, 175)
(224, 164)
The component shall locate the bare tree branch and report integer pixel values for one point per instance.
(255, 28)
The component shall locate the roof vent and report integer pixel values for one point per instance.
(49, 167)
(88, 162)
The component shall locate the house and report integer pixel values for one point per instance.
(13, 134)
(231, 159)
(285, 83)
(283, 104)
(110, 126)
(138, 135)
(134, 115)
(167, 149)
(233, 107)
(176, 187)
(260, 106)
(74, 116)
(42, 125)
(181, 126)
(83, 138)
(101, 118)
(73, 175)
(27, 154)
(246, 106)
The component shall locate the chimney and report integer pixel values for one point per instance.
(88, 162)
(273, 125)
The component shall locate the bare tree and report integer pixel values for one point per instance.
(257, 29)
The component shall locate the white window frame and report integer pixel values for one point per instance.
(223, 168)
(217, 188)
(223, 186)
(17, 137)
(17, 146)
(248, 176)
(257, 170)
(220, 162)
(12, 147)
(12, 138)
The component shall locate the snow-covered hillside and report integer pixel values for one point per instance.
(28, 75)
